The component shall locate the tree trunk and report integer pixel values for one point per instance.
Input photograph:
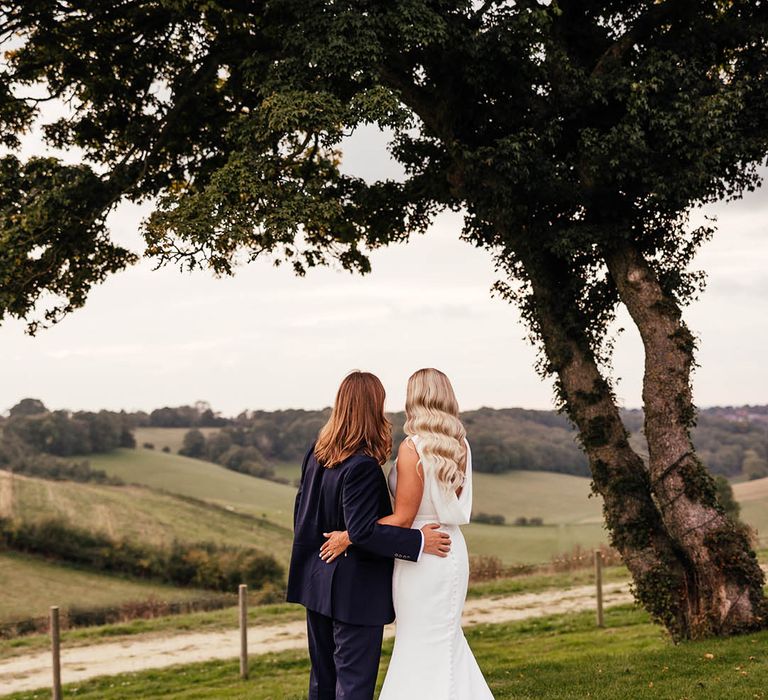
(724, 579)
(619, 473)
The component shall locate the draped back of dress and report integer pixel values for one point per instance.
(446, 507)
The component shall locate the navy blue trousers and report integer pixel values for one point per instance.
(345, 658)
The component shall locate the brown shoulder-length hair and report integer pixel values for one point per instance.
(357, 422)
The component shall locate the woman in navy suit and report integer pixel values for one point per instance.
(343, 487)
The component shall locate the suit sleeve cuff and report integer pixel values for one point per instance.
(421, 549)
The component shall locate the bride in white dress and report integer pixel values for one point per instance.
(432, 483)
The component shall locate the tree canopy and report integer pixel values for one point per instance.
(558, 126)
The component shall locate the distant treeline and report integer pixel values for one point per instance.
(502, 440)
(730, 440)
(65, 433)
(37, 442)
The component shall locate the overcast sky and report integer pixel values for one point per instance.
(266, 339)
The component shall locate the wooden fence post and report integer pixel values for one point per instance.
(243, 606)
(55, 651)
(599, 586)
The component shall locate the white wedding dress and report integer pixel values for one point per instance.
(431, 659)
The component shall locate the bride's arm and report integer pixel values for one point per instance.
(410, 486)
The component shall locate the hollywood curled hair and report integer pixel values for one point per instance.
(432, 413)
(357, 422)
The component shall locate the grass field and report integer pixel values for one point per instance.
(199, 479)
(138, 512)
(562, 501)
(561, 657)
(571, 517)
(559, 499)
(753, 497)
(530, 545)
(134, 512)
(30, 585)
(172, 438)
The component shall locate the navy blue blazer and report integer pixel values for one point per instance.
(357, 588)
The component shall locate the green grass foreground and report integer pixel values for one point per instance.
(556, 657)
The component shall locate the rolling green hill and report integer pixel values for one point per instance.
(134, 512)
(138, 512)
(199, 479)
(559, 499)
(570, 516)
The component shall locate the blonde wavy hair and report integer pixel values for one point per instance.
(432, 413)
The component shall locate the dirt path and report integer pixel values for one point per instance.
(31, 672)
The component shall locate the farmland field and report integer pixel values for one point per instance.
(31, 584)
(753, 497)
(137, 512)
(200, 479)
(570, 516)
(172, 438)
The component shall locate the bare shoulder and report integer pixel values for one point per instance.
(408, 457)
(406, 453)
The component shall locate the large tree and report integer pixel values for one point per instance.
(576, 136)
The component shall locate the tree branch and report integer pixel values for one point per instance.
(642, 26)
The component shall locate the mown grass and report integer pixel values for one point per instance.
(559, 657)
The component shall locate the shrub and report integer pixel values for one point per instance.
(20, 458)
(194, 444)
(489, 568)
(204, 565)
(580, 557)
(84, 616)
(488, 518)
(148, 446)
